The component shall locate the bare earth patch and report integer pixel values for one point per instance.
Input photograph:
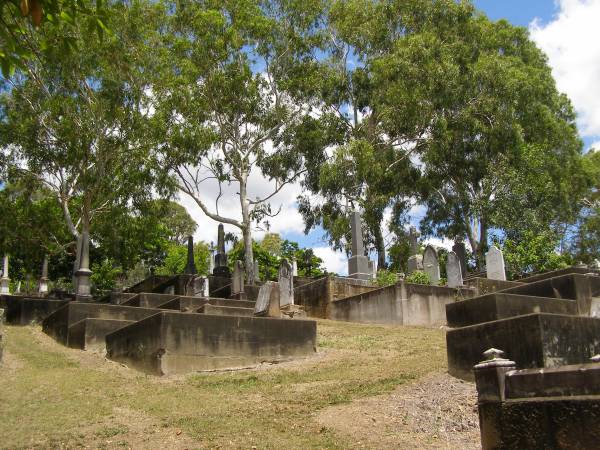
(437, 412)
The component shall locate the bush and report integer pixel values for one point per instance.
(386, 278)
(418, 277)
(104, 275)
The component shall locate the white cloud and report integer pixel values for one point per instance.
(334, 261)
(439, 243)
(595, 146)
(571, 42)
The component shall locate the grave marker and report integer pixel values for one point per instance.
(237, 282)
(358, 263)
(43, 287)
(494, 263)
(431, 265)
(190, 268)
(221, 269)
(453, 271)
(415, 261)
(267, 302)
(5, 281)
(286, 283)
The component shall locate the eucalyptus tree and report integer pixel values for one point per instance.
(371, 164)
(473, 105)
(75, 121)
(236, 85)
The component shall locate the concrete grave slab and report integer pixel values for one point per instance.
(171, 342)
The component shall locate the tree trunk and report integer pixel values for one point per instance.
(380, 246)
(246, 231)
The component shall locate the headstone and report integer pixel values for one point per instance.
(43, 287)
(84, 287)
(211, 260)
(494, 263)
(295, 267)
(453, 271)
(5, 280)
(77, 262)
(286, 283)
(267, 302)
(461, 251)
(358, 263)
(200, 287)
(373, 269)
(237, 282)
(415, 261)
(256, 271)
(431, 265)
(18, 287)
(221, 269)
(190, 268)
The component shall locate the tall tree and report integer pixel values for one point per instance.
(74, 122)
(236, 85)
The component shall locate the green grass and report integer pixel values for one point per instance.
(51, 399)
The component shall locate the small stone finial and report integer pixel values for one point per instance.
(494, 358)
(493, 353)
(595, 359)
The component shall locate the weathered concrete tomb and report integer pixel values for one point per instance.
(547, 321)
(552, 408)
(165, 331)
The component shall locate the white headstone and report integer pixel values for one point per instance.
(494, 262)
(5, 281)
(295, 267)
(286, 283)
(256, 271)
(431, 265)
(453, 271)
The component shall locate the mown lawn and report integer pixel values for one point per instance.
(54, 397)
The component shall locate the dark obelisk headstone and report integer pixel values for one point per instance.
(221, 269)
(84, 287)
(461, 252)
(358, 263)
(190, 268)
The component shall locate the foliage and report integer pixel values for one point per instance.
(271, 243)
(20, 40)
(534, 253)
(176, 259)
(308, 264)
(418, 277)
(74, 122)
(104, 276)
(386, 278)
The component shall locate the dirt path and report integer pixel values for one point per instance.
(438, 412)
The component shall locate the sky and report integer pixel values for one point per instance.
(568, 31)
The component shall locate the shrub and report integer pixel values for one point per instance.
(418, 277)
(385, 278)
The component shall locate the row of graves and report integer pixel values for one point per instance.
(530, 345)
(176, 324)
